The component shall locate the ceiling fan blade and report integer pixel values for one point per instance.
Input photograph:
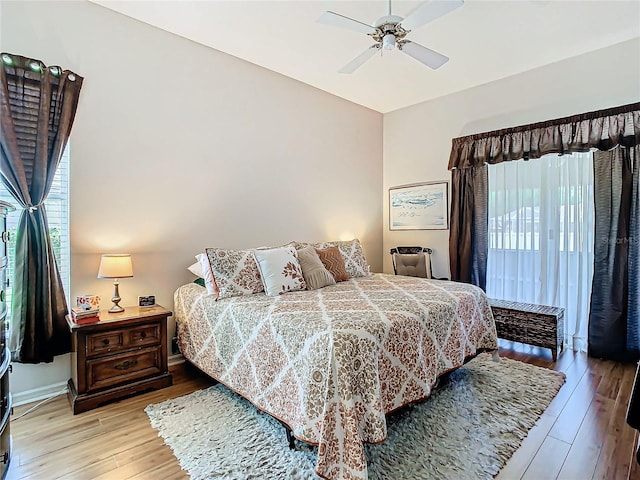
(337, 20)
(430, 58)
(429, 11)
(354, 64)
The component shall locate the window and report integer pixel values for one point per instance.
(57, 204)
(541, 235)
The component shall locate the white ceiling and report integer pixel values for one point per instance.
(485, 40)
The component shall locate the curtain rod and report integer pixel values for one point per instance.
(30, 65)
(558, 121)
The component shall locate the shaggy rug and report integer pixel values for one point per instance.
(467, 429)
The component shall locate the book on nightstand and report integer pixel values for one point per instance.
(80, 315)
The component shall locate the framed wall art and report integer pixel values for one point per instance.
(420, 206)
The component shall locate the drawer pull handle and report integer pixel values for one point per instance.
(105, 341)
(126, 365)
(143, 335)
(2, 295)
(5, 457)
(6, 237)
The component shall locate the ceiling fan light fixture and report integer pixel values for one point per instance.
(389, 41)
(390, 31)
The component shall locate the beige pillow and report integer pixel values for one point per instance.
(313, 270)
(332, 260)
(355, 263)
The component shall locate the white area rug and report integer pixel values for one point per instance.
(468, 429)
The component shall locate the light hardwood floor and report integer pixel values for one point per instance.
(582, 435)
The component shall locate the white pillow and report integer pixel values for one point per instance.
(280, 270)
(196, 269)
(207, 274)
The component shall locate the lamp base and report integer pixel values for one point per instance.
(116, 298)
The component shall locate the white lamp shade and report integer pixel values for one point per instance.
(115, 265)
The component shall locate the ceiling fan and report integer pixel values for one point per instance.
(389, 32)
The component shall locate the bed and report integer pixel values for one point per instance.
(330, 363)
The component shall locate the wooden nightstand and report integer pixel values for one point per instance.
(122, 354)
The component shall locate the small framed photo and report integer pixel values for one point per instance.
(88, 302)
(147, 301)
(419, 206)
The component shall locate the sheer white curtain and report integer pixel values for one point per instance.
(541, 236)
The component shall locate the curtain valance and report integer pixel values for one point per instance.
(602, 130)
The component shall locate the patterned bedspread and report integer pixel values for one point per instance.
(331, 362)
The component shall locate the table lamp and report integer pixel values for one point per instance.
(115, 265)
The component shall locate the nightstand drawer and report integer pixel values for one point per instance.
(118, 355)
(5, 394)
(123, 339)
(144, 335)
(119, 369)
(102, 343)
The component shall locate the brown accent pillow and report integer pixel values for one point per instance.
(354, 262)
(332, 260)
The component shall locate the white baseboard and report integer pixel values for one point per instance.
(40, 393)
(176, 359)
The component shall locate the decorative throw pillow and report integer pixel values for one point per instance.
(280, 270)
(207, 274)
(196, 269)
(332, 260)
(315, 274)
(354, 261)
(234, 272)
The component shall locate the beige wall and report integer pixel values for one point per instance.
(417, 139)
(177, 147)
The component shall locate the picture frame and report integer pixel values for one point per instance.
(147, 301)
(419, 206)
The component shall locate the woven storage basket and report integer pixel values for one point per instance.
(538, 325)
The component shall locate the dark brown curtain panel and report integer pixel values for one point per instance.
(468, 246)
(614, 317)
(468, 238)
(37, 109)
